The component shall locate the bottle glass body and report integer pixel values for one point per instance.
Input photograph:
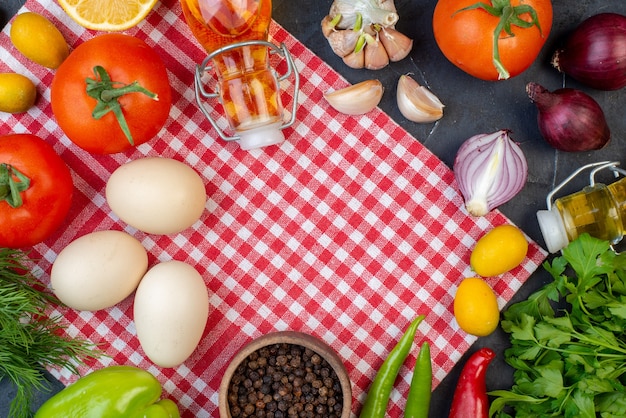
(247, 85)
(598, 210)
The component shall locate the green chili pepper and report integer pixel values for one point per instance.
(418, 401)
(378, 397)
(115, 391)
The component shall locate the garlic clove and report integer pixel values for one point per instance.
(375, 54)
(397, 44)
(357, 99)
(417, 103)
(343, 42)
(355, 59)
(328, 26)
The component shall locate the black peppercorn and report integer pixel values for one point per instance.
(285, 380)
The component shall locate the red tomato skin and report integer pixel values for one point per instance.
(466, 38)
(126, 59)
(46, 202)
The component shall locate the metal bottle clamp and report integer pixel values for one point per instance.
(611, 165)
(202, 93)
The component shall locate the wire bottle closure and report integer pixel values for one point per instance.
(597, 209)
(611, 165)
(203, 94)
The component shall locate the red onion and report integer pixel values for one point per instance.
(569, 119)
(490, 169)
(595, 53)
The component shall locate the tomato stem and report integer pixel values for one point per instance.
(508, 15)
(12, 183)
(106, 93)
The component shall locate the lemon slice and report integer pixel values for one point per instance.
(107, 15)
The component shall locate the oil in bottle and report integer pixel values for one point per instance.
(598, 210)
(248, 87)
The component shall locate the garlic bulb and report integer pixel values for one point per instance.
(490, 169)
(369, 10)
(357, 99)
(355, 25)
(417, 103)
(387, 5)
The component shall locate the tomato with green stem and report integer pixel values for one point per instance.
(112, 93)
(36, 190)
(492, 39)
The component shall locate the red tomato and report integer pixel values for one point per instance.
(47, 198)
(125, 59)
(466, 37)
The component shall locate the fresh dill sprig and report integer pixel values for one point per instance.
(29, 339)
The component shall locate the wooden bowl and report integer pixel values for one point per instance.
(293, 338)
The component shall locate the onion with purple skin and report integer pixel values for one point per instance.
(490, 169)
(569, 119)
(595, 53)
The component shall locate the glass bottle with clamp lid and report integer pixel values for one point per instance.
(234, 33)
(597, 209)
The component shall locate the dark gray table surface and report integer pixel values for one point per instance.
(472, 106)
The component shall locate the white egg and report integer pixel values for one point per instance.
(171, 311)
(156, 195)
(98, 270)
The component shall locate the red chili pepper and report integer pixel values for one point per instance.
(470, 397)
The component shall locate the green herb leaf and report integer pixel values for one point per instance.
(568, 345)
(613, 403)
(618, 309)
(584, 404)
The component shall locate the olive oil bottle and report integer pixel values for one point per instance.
(598, 210)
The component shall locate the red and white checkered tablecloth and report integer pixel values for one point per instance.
(346, 231)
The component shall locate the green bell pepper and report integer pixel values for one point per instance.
(111, 392)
